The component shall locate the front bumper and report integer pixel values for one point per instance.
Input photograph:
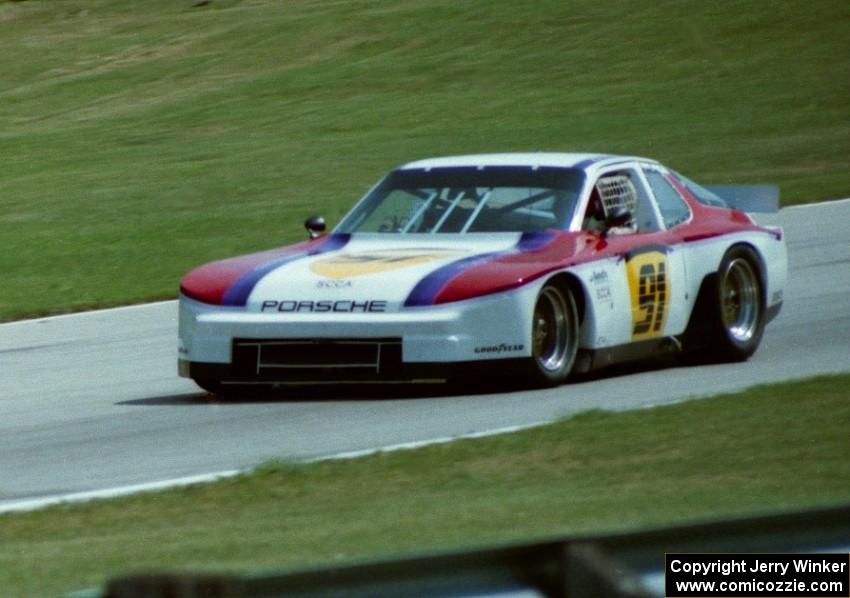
(485, 328)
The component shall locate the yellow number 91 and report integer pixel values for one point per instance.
(649, 289)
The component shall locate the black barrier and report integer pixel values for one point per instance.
(615, 566)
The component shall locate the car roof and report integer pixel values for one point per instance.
(529, 159)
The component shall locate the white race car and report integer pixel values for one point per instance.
(552, 262)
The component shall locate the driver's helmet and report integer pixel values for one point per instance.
(617, 191)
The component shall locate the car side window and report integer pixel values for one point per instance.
(673, 208)
(620, 189)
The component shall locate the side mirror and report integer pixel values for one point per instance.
(315, 226)
(618, 217)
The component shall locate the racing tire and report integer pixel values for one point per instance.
(737, 321)
(554, 336)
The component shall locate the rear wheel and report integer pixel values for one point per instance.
(737, 323)
(554, 336)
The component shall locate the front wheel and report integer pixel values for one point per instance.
(209, 385)
(554, 336)
(230, 391)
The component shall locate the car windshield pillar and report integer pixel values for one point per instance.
(477, 211)
(415, 218)
(448, 212)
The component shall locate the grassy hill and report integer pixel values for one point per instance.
(141, 138)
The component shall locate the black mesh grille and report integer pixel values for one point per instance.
(317, 359)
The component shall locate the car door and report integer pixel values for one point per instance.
(648, 278)
(673, 212)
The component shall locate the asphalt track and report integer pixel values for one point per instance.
(90, 402)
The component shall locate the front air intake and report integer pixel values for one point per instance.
(317, 359)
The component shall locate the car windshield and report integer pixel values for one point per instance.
(467, 200)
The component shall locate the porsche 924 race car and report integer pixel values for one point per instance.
(551, 262)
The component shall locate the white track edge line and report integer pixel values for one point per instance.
(34, 504)
(90, 312)
(406, 446)
(48, 501)
(816, 204)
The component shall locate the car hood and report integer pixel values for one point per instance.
(362, 273)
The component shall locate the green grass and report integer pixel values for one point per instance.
(139, 139)
(772, 448)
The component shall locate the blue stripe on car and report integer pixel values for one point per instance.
(240, 290)
(426, 290)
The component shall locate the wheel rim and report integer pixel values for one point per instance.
(550, 336)
(740, 300)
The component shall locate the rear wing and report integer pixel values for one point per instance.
(748, 198)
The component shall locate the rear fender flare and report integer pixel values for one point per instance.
(699, 321)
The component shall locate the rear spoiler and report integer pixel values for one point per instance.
(748, 198)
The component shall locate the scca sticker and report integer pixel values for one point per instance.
(349, 265)
(649, 288)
